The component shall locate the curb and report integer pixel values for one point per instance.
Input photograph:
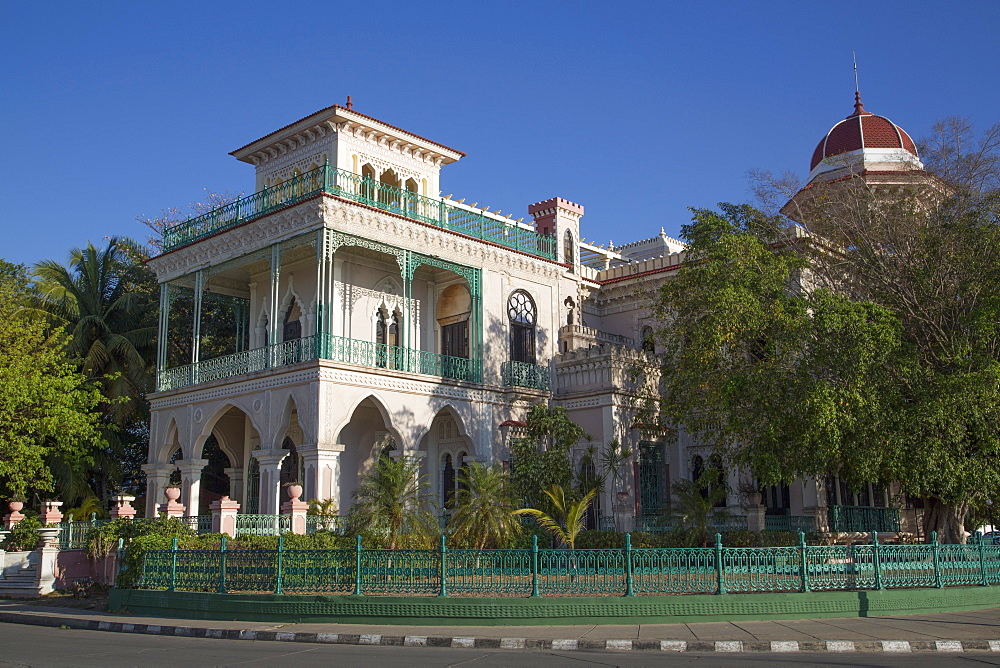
(558, 644)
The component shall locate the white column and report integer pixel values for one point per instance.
(270, 479)
(157, 479)
(337, 302)
(322, 465)
(191, 483)
(273, 316)
(236, 482)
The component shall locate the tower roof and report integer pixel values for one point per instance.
(860, 131)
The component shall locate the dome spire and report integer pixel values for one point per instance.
(859, 109)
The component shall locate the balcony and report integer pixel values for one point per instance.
(363, 190)
(335, 348)
(522, 374)
(862, 519)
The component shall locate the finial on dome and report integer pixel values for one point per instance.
(859, 109)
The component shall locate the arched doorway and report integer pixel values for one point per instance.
(366, 437)
(215, 482)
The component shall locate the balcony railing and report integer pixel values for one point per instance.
(336, 348)
(863, 518)
(788, 522)
(522, 374)
(263, 525)
(351, 186)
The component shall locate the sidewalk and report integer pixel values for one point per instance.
(973, 631)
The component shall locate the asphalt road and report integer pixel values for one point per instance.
(40, 646)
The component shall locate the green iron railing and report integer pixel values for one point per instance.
(73, 534)
(199, 523)
(263, 525)
(863, 518)
(523, 374)
(544, 572)
(364, 190)
(667, 523)
(336, 348)
(333, 523)
(788, 522)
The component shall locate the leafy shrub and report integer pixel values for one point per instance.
(24, 536)
(779, 538)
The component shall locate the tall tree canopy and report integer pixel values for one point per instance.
(46, 407)
(866, 347)
(103, 299)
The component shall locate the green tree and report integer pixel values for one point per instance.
(867, 349)
(391, 500)
(103, 299)
(544, 456)
(694, 505)
(482, 515)
(46, 407)
(567, 518)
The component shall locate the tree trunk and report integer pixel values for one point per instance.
(947, 520)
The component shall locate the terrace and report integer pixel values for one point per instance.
(364, 190)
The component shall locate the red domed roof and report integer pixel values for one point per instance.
(862, 129)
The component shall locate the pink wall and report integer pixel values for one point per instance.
(74, 565)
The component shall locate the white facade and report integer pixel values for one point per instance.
(346, 310)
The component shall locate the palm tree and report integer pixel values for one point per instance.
(483, 511)
(103, 300)
(391, 498)
(694, 505)
(567, 519)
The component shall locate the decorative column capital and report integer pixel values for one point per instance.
(270, 457)
(191, 467)
(412, 455)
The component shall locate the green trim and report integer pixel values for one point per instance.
(538, 611)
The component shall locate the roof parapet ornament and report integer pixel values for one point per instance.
(859, 108)
(350, 105)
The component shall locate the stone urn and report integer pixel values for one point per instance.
(49, 536)
(15, 506)
(294, 492)
(172, 494)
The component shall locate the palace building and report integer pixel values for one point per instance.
(345, 310)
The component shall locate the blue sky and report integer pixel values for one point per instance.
(637, 110)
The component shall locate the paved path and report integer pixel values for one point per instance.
(973, 631)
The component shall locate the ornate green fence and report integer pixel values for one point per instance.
(863, 518)
(73, 534)
(341, 183)
(543, 572)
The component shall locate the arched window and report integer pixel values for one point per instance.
(367, 188)
(454, 308)
(569, 249)
(570, 309)
(175, 475)
(292, 325)
(292, 466)
(697, 467)
(448, 482)
(522, 314)
(718, 479)
(648, 342)
(381, 338)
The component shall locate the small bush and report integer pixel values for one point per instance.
(24, 536)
